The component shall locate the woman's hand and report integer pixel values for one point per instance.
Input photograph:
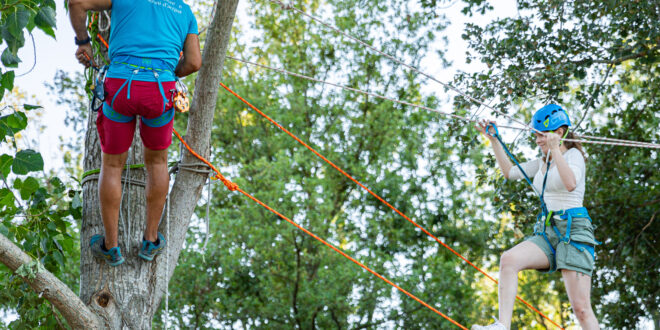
(482, 125)
(552, 140)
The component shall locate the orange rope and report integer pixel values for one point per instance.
(98, 35)
(91, 21)
(380, 198)
(233, 186)
(230, 185)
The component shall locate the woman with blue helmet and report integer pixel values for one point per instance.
(563, 236)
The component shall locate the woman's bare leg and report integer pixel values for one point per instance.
(578, 287)
(525, 255)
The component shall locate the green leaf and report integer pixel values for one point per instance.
(9, 59)
(57, 184)
(12, 124)
(27, 161)
(48, 30)
(57, 245)
(17, 20)
(6, 197)
(7, 80)
(77, 201)
(44, 244)
(45, 17)
(30, 185)
(17, 120)
(3, 230)
(5, 164)
(31, 107)
(59, 258)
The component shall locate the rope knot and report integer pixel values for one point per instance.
(230, 185)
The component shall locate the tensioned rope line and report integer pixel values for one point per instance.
(380, 198)
(234, 187)
(285, 6)
(606, 141)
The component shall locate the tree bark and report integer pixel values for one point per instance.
(127, 296)
(44, 282)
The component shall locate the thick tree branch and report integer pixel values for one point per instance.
(67, 302)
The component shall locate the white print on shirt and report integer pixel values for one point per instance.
(169, 4)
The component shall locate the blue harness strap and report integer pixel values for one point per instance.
(544, 208)
(568, 215)
(137, 64)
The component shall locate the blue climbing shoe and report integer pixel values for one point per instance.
(149, 249)
(112, 256)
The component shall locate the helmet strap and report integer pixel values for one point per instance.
(563, 137)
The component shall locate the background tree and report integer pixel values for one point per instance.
(259, 271)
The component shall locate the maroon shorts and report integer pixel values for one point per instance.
(146, 101)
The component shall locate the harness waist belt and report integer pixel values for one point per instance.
(568, 215)
(148, 64)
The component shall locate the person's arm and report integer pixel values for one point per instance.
(500, 155)
(78, 16)
(565, 172)
(191, 60)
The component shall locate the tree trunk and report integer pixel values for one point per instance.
(128, 296)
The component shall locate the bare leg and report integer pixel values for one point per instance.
(525, 255)
(110, 195)
(158, 183)
(578, 287)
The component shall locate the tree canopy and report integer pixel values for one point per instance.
(597, 58)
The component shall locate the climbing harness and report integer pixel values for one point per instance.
(544, 221)
(546, 218)
(138, 65)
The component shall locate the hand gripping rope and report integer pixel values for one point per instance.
(497, 135)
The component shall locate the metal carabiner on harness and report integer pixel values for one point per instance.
(98, 91)
(180, 97)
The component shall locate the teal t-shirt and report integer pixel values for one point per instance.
(149, 29)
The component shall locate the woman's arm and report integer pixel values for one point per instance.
(500, 155)
(565, 172)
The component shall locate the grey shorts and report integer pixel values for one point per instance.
(567, 256)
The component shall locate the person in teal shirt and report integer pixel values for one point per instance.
(152, 42)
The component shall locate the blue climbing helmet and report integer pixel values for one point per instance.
(550, 118)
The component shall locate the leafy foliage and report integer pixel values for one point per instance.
(37, 211)
(261, 272)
